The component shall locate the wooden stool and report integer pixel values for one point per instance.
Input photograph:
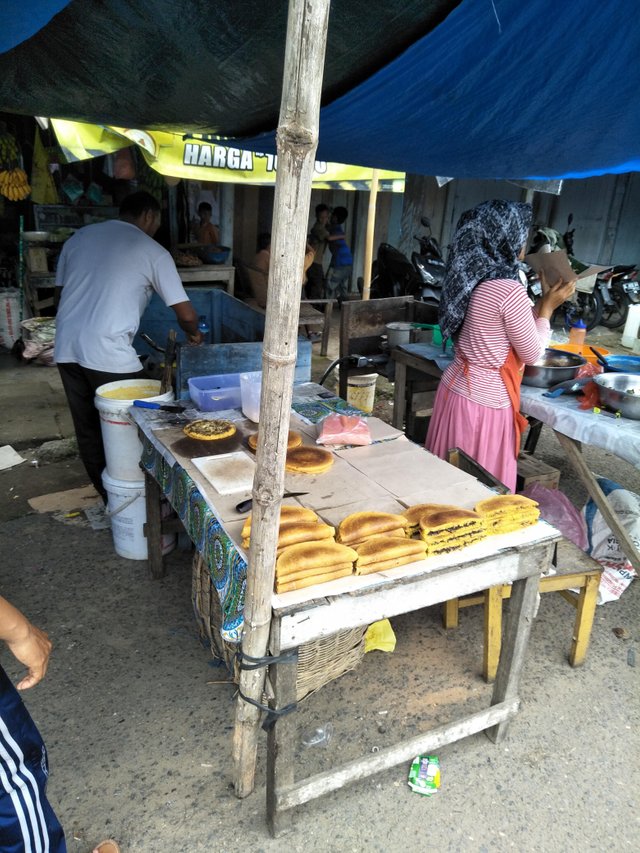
(574, 570)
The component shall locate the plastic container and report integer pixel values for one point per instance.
(127, 509)
(250, 388)
(216, 255)
(122, 447)
(216, 392)
(577, 333)
(361, 391)
(204, 329)
(630, 333)
(582, 349)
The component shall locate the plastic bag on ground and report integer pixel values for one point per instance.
(556, 508)
(604, 547)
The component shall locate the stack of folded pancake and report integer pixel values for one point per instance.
(387, 552)
(362, 526)
(297, 524)
(505, 513)
(444, 528)
(413, 513)
(309, 563)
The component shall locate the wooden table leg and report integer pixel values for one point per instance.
(586, 611)
(492, 632)
(399, 395)
(153, 527)
(281, 746)
(572, 449)
(326, 329)
(522, 609)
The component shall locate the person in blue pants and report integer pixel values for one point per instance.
(27, 821)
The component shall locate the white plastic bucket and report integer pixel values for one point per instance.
(128, 513)
(361, 391)
(122, 447)
(630, 333)
(250, 388)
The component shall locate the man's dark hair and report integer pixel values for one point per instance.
(320, 208)
(204, 205)
(340, 214)
(264, 240)
(136, 204)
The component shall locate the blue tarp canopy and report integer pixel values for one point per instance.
(479, 88)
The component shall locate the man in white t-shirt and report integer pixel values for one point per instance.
(105, 278)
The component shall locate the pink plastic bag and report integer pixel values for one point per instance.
(344, 429)
(557, 509)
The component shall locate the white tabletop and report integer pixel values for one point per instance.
(620, 436)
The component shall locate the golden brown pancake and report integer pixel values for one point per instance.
(294, 440)
(308, 460)
(322, 555)
(288, 514)
(414, 513)
(445, 517)
(504, 504)
(359, 526)
(288, 586)
(383, 548)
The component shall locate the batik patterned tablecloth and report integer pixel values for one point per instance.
(228, 569)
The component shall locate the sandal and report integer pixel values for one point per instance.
(107, 846)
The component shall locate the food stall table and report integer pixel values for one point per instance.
(573, 427)
(415, 362)
(388, 475)
(206, 273)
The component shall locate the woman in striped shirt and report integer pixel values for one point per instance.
(496, 330)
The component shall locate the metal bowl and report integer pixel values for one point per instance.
(554, 366)
(620, 392)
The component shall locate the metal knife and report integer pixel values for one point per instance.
(163, 407)
(245, 506)
(567, 387)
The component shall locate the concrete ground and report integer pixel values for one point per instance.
(138, 717)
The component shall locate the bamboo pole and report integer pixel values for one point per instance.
(297, 141)
(371, 225)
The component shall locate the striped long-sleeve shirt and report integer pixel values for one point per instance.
(499, 316)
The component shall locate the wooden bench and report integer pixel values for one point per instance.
(574, 570)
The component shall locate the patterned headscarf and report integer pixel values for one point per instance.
(486, 245)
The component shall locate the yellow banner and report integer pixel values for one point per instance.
(204, 159)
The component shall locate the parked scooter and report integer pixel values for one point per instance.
(429, 264)
(619, 288)
(421, 277)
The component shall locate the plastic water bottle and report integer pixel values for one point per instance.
(204, 329)
(577, 333)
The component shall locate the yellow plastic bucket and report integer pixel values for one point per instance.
(361, 391)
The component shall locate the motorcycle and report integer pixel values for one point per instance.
(619, 289)
(429, 264)
(421, 277)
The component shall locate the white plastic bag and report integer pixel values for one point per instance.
(9, 316)
(604, 547)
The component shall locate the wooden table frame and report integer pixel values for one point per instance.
(405, 362)
(294, 626)
(205, 273)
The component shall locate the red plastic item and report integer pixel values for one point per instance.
(590, 396)
(344, 429)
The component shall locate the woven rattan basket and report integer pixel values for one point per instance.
(318, 663)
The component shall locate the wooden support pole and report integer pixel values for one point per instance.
(371, 225)
(297, 141)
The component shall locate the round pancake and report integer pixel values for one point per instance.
(294, 440)
(308, 460)
(206, 429)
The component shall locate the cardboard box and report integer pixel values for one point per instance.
(532, 470)
(555, 265)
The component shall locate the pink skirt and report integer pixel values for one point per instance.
(485, 434)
